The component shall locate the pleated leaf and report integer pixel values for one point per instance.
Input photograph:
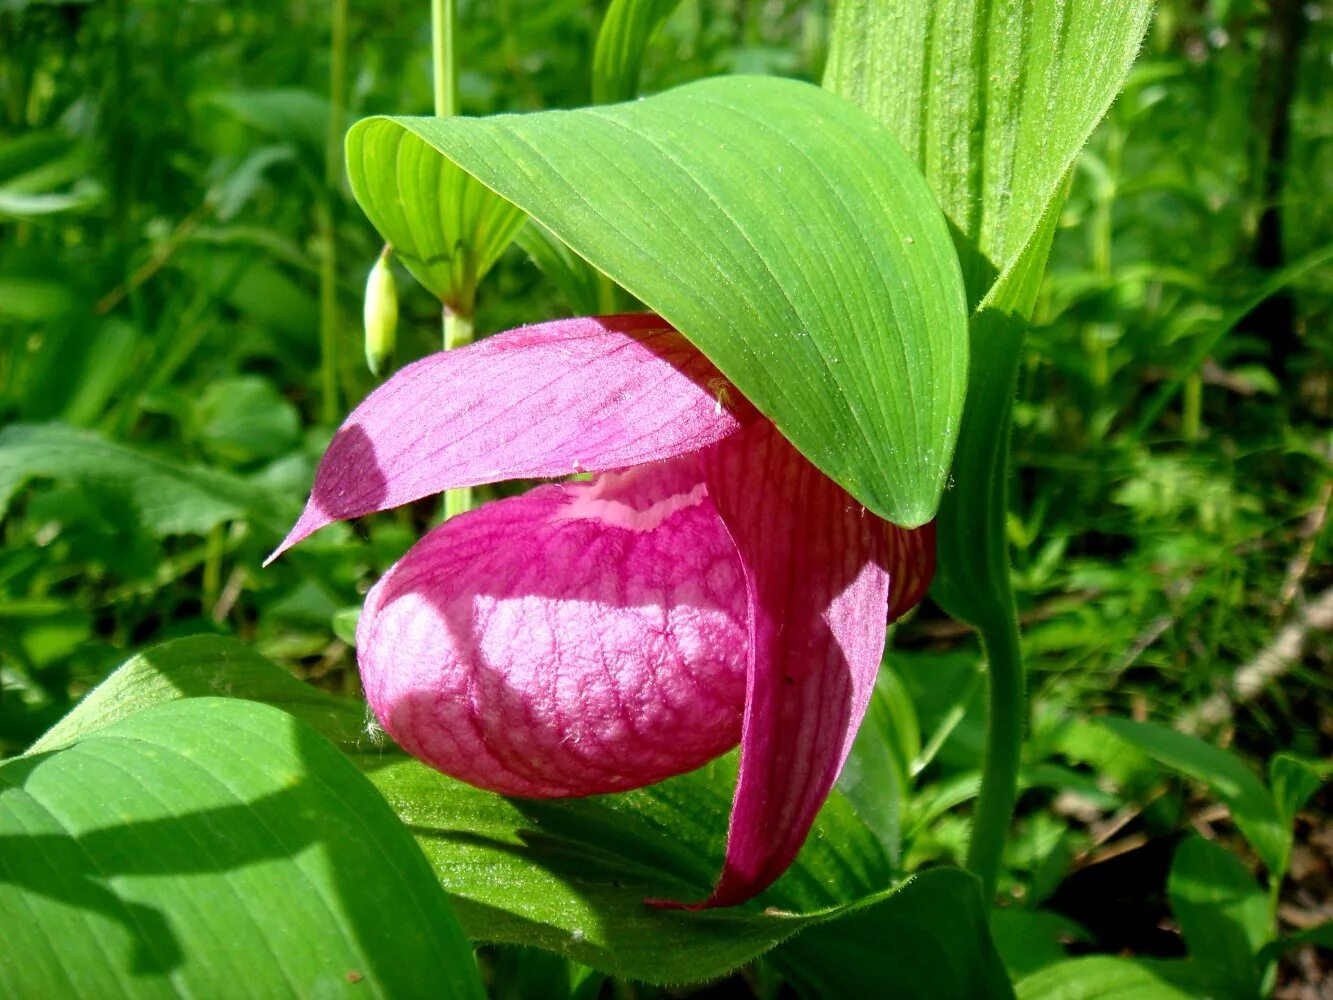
(214, 847)
(776, 225)
(570, 876)
(993, 100)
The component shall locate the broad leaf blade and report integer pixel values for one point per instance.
(928, 940)
(211, 845)
(167, 497)
(445, 228)
(1222, 913)
(993, 99)
(1103, 977)
(201, 666)
(842, 321)
(570, 876)
(1251, 805)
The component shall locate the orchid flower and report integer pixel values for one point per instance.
(707, 586)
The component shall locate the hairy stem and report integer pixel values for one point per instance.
(1005, 719)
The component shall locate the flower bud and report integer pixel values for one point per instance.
(381, 314)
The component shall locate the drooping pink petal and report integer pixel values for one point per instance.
(815, 562)
(911, 565)
(582, 638)
(544, 401)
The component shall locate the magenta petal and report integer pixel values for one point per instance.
(815, 564)
(581, 638)
(539, 402)
(911, 565)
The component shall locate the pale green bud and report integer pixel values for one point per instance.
(381, 314)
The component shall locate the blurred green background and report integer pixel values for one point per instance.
(171, 188)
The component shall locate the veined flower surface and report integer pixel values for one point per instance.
(708, 586)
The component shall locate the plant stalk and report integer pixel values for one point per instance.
(328, 265)
(1005, 714)
(444, 67)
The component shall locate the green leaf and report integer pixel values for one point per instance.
(200, 666)
(624, 35)
(875, 777)
(1251, 805)
(570, 876)
(929, 940)
(1320, 935)
(1029, 940)
(289, 114)
(245, 419)
(207, 846)
(167, 498)
(445, 227)
(1293, 781)
(994, 100)
(1101, 977)
(843, 321)
(1223, 915)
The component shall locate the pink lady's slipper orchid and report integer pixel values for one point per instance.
(708, 586)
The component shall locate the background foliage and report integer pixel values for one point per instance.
(165, 213)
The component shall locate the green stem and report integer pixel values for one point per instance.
(457, 320)
(211, 586)
(1191, 416)
(443, 65)
(328, 265)
(1005, 715)
(457, 333)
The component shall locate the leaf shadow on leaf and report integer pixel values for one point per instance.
(81, 869)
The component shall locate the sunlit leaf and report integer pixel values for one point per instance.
(570, 876)
(843, 321)
(1228, 778)
(1222, 912)
(1102, 977)
(993, 100)
(168, 498)
(211, 846)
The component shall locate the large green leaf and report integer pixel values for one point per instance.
(777, 226)
(209, 847)
(1102, 977)
(202, 666)
(570, 876)
(1251, 804)
(166, 497)
(993, 99)
(1223, 915)
(930, 940)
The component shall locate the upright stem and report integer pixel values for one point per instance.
(1005, 715)
(328, 265)
(443, 66)
(457, 320)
